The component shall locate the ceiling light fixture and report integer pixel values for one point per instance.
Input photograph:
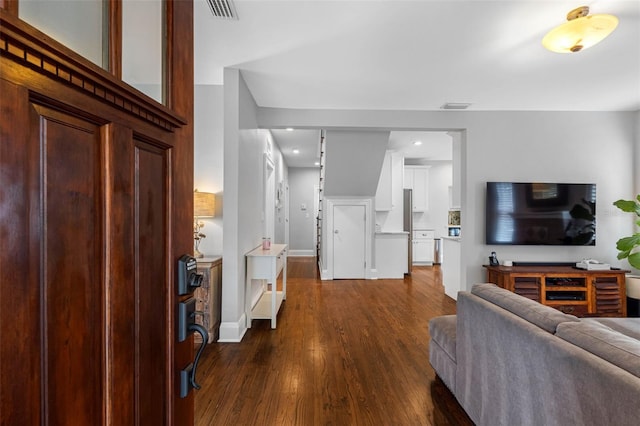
(417, 143)
(296, 151)
(581, 31)
(455, 105)
(289, 129)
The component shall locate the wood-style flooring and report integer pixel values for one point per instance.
(345, 352)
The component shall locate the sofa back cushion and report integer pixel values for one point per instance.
(608, 344)
(543, 316)
(627, 326)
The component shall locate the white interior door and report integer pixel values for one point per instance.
(349, 241)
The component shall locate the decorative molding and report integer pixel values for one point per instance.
(28, 47)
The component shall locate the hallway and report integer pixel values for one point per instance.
(347, 352)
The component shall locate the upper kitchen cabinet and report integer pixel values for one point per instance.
(417, 179)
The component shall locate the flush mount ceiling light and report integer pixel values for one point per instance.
(581, 31)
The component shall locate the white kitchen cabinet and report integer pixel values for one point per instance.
(417, 179)
(384, 193)
(423, 241)
(391, 254)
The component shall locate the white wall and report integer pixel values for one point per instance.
(521, 146)
(244, 148)
(302, 223)
(346, 154)
(209, 159)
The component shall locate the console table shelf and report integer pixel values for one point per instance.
(570, 290)
(266, 265)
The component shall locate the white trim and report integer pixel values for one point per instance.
(233, 332)
(324, 274)
(301, 253)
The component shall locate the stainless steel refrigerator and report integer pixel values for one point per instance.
(407, 225)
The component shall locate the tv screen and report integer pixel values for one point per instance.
(541, 213)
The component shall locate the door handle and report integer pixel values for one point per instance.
(188, 375)
(186, 325)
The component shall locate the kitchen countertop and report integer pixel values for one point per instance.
(392, 233)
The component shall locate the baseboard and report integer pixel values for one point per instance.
(301, 253)
(324, 273)
(233, 332)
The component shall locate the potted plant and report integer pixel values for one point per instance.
(629, 247)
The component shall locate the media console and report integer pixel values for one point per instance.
(566, 288)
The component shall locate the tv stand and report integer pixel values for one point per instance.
(566, 288)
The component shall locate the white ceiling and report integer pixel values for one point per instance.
(419, 54)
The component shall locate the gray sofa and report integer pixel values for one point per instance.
(512, 361)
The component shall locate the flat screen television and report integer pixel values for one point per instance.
(538, 213)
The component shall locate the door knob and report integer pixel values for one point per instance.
(335, 232)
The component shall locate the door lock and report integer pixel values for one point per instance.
(188, 277)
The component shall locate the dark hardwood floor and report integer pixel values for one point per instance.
(346, 352)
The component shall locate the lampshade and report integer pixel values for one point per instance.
(581, 31)
(204, 204)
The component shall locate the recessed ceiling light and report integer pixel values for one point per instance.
(289, 129)
(455, 105)
(417, 143)
(317, 163)
(296, 151)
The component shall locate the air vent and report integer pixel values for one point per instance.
(455, 105)
(223, 9)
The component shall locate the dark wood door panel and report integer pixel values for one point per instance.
(20, 367)
(72, 285)
(120, 273)
(152, 282)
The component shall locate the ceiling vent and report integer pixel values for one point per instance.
(455, 105)
(223, 9)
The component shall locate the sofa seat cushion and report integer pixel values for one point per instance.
(442, 349)
(627, 326)
(443, 331)
(543, 316)
(604, 342)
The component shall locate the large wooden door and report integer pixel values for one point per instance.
(95, 208)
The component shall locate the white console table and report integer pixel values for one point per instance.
(266, 265)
